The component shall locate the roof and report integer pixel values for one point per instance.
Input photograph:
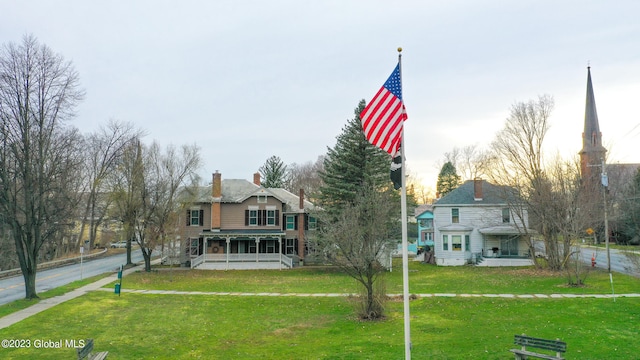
(421, 209)
(464, 195)
(238, 190)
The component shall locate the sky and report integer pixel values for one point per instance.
(245, 80)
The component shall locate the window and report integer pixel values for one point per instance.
(455, 216)
(445, 242)
(456, 242)
(253, 217)
(506, 217)
(195, 217)
(426, 223)
(313, 223)
(271, 217)
(262, 199)
(290, 247)
(291, 222)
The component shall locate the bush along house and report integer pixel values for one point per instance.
(238, 224)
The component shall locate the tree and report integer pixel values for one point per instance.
(630, 210)
(352, 164)
(127, 182)
(274, 173)
(164, 174)
(448, 179)
(305, 176)
(39, 155)
(357, 240)
(359, 207)
(549, 197)
(104, 150)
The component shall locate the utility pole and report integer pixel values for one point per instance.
(605, 184)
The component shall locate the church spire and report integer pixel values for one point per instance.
(592, 151)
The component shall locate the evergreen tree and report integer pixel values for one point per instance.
(448, 179)
(351, 165)
(358, 212)
(274, 173)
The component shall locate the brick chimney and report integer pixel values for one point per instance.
(256, 178)
(301, 199)
(477, 189)
(216, 193)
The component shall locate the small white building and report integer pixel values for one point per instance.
(476, 224)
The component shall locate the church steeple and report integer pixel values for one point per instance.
(592, 151)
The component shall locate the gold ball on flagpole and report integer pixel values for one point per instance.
(399, 49)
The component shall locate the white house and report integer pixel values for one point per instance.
(476, 224)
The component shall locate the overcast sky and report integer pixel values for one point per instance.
(245, 80)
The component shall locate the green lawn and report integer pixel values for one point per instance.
(139, 326)
(423, 279)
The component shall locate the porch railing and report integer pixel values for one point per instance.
(286, 260)
(197, 261)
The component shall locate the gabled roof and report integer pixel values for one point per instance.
(239, 190)
(465, 195)
(421, 209)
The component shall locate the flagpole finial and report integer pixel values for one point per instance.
(399, 49)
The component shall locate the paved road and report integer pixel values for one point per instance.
(619, 261)
(13, 288)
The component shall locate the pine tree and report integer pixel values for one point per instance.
(352, 165)
(274, 173)
(448, 179)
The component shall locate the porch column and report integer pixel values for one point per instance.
(257, 249)
(228, 240)
(204, 250)
(280, 250)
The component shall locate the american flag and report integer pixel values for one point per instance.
(382, 118)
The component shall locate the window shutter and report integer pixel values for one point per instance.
(188, 217)
(264, 217)
(277, 219)
(246, 218)
(295, 222)
(259, 214)
(306, 221)
(295, 246)
(201, 217)
(284, 222)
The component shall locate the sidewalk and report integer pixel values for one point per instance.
(51, 302)
(98, 286)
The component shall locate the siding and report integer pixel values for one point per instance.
(233, 214)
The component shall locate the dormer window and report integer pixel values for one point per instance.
(262, 199)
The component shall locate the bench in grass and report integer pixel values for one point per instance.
(85, 352)
(531, 342)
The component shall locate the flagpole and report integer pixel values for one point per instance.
(405, 246)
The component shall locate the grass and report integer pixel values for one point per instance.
(23, 303)
(423, 279)
(136, 326)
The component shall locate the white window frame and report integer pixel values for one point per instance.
(271, 216)
(292, 222)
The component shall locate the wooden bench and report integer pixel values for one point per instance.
(85, 352)
(552, 345)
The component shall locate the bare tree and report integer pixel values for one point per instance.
(356, 238)
(104, 150)
(126, 184)
(164, 174)
(38, 155)
(518, 162)
(305, 176)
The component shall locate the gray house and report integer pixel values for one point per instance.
(475, 223)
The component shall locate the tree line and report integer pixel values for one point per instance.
(57, 184)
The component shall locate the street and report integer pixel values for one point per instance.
(619, 261)
(12, 288)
